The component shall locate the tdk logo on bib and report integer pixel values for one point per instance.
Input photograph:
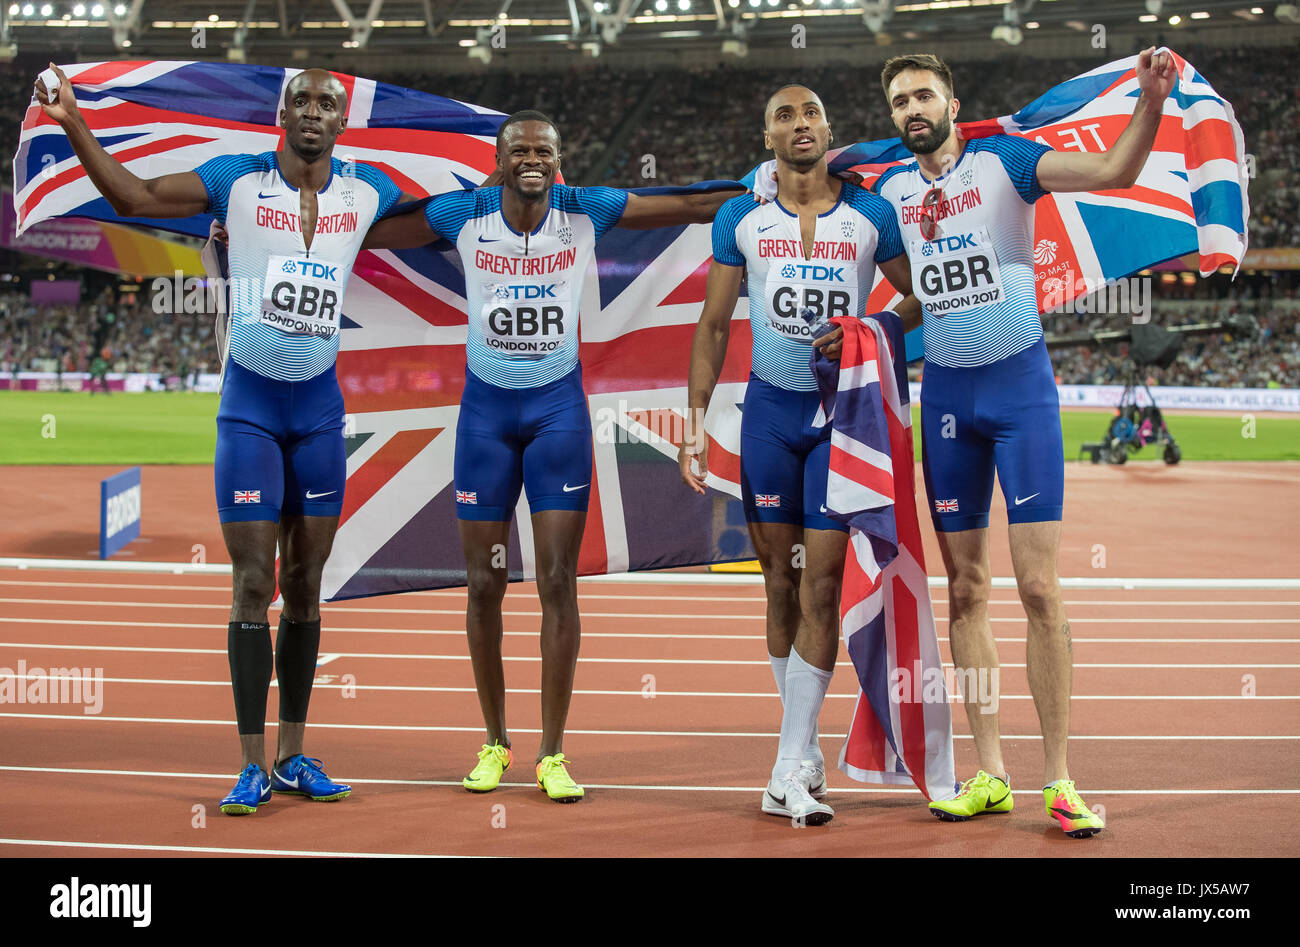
(811, 271)
(959, 242)
(310, 269)
(526, 292)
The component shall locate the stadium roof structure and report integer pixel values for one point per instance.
(357, 34)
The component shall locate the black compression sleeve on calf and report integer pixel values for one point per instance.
(248, 645)
(297, 646)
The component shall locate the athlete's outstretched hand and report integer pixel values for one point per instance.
(695, 445)
(831, 344)
(1156, 73)
(63, 105)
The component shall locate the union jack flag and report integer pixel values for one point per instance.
(248, 496)
(402, 359)
(902, 727)
(767, 499)
(467, 496)
(945, 506)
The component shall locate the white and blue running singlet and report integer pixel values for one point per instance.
(286, 298)
(524, 290)
(850, 239)
(976, 278)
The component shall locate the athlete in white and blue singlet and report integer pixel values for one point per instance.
(295, 219)
(815, 247)
(988, 397)
(524, 422)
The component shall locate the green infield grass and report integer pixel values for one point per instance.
(179, 428)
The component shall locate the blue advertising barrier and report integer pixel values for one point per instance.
(119, 511)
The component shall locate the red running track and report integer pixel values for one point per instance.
(672, 730)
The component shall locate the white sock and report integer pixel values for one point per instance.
(778, 672)
(805, 688)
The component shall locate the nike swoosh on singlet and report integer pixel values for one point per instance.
(1026, 499)
(768, 227)
(482, 239)
(262, 197)
(316, 496)
(903, 200)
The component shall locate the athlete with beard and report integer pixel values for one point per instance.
(814, 249)
(524, 422)
(295, 219)
(988, 398)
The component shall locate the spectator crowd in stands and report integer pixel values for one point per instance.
(705, 124)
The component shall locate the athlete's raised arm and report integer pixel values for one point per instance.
(172, 195)
(671, 210)
(1120, 166)
(708, 350)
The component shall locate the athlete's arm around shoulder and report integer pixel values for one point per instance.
(1120, 166)
(416, 227)
(645, 212)
(172, 195)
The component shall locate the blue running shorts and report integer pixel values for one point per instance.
(279, 447)
(1005, 416)
(784, 460)
(535, 439)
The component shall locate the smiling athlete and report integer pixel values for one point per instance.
(524, 421)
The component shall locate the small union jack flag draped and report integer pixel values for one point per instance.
(902, 725)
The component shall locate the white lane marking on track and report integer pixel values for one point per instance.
(459, 633)
(532, 659)
(428, 728)
(209, 850)
(860, 790)
(682, 578)
(696, 617)
(584, 596)
(441, 689)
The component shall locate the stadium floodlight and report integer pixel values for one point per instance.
(120, 9)
(47, 9)
(1175, 20)
(661, 5)
(28, 9)
(97, 10)
(1286, 12)
(79, 10)
(13, 9)
(683, 5)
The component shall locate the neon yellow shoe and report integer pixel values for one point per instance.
(982, 794)
(1064, 805)
(492, 762)
(554, 780)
